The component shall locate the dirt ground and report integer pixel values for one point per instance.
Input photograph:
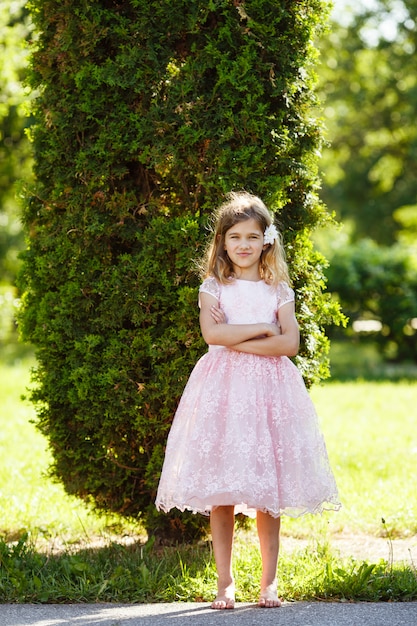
(364, 547)
(361, 547)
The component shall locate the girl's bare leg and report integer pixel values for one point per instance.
(268, 532)
(222, 522)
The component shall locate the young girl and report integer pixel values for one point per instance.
(245, 438)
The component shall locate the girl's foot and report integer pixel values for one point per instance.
(225, 598)
(269, 598)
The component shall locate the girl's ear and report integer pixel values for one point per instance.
(218, 241)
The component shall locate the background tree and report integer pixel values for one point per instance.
(15, 155)
(368, 81)
(147, 113)
(369, 86)
(376, 282)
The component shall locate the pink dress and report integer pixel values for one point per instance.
(246, 432)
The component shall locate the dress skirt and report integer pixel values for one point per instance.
(246, 433)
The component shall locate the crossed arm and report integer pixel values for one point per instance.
(263, 339)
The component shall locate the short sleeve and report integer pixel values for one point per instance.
(211, 286)
(284, 294)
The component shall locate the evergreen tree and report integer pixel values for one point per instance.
(147, 113)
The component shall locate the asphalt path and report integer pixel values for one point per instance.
(198, 614)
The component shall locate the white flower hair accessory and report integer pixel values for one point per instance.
(270, 234)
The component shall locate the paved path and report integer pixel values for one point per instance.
(196, 614)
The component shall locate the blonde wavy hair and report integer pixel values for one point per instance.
(238, 207)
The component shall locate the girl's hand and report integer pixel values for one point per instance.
(218, 331)
(271, 330)
(218, 315)
(279, 339)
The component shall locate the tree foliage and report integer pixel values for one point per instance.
(377, 282)
(15, 153)
(147, 113)
(369, 83)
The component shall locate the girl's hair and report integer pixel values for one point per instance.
(241, 206)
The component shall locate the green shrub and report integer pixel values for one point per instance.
(147, 113)
(380, 283)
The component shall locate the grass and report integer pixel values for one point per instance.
(29, 502)
(370, 433)
(143, 574)
(54, 549)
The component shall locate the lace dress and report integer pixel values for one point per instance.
(246, 432)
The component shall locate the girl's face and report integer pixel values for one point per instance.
(244, 243)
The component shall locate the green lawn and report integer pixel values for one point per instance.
(29, 500)
(371, 438)
(370, 433)
(369, 429)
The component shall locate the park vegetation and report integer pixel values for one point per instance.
(115, 227)
(368, 88)
(55, 549)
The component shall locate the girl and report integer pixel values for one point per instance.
(245, 438)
